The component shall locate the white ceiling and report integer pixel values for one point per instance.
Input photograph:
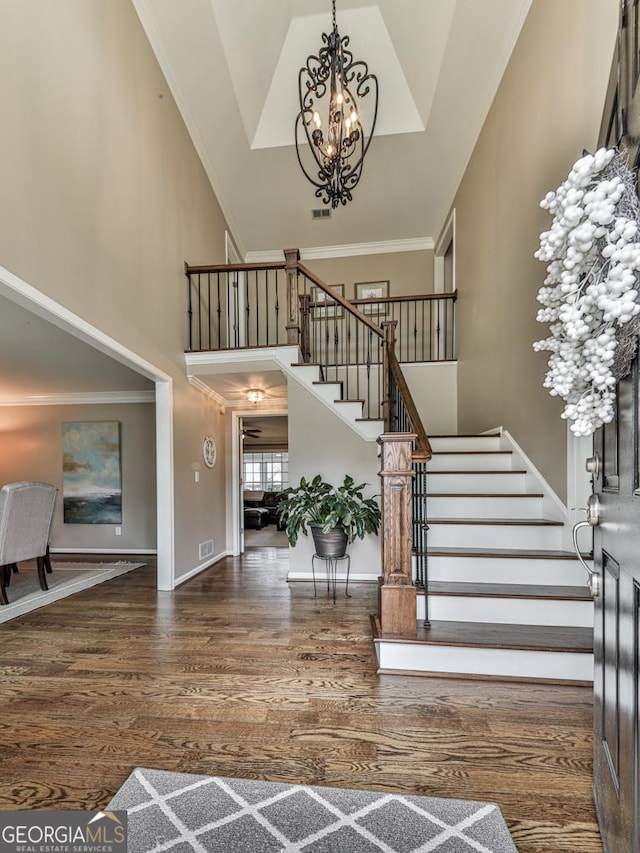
(232, 66)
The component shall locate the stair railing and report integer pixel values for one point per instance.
(425, 324)
(233, 306)
(406, 450)
(345, 344)
(278, 304)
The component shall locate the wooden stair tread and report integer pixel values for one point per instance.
(504, 553)
(514, 590)
(466, 435)
(472, 452)
(327, 382)
(477, 494)
(492, 635)
(466, 473)
(350, 400)
(525, 522)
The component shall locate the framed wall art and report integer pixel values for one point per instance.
(91, 472)
(372, 290)
(322, 306)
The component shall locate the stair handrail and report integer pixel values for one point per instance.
(344, 303)
(393, 374)
(211, 268)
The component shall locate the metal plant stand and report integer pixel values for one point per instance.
(331, 568)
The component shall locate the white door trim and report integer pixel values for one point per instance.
(447, 237)
(236, 428)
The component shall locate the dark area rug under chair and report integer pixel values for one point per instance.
(180, 812)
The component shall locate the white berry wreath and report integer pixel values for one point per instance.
(590, 292)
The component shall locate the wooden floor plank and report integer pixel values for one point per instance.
(239, 674)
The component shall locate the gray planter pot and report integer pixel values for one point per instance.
(332, 544)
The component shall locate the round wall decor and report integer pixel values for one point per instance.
(209, 451)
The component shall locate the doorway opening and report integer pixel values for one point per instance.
(261, 474)
(32, 300)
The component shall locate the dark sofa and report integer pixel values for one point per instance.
(261, 509)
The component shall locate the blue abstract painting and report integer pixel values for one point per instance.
(91, 473)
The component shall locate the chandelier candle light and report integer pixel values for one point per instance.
(330, 87)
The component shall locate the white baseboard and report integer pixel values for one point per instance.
(202, 567)
(354, 577)
(103, 551)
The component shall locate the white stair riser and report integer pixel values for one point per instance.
(370, 430)
(507, 611)
(329, 391)
(487, 507)
(351, 410)
(455, 443)
(506, 570)
(503, 536)
(470, 462)
(493, 484)
(517, 663)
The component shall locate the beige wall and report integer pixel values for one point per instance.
(104, 198)
(315, 434)
(31, 449)
(547, 109)
(406, 272)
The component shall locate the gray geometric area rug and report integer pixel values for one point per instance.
(181, 813)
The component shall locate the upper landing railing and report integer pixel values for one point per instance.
(245, 305)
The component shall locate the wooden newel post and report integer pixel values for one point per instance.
(398, 594)
(389, 343)
(291, 257)
(305, 314)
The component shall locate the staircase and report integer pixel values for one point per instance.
(505, 597)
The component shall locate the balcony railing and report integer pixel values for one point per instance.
(245, 305)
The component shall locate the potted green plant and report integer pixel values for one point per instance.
(335, 514)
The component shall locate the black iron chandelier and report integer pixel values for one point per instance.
(332, 85)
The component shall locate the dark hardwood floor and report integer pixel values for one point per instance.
(239, 674)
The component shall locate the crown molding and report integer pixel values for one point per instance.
(347, 250)
(93, 398)
(207, 391)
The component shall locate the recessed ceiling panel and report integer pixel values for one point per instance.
(251, 33)
(370, 42)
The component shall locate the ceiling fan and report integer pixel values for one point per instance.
(250, 432)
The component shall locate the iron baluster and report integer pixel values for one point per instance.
(247, 311)
(190, 310)
(209, 307)
(257, 309)
(266, 299)
(218, 309)
(199, 313)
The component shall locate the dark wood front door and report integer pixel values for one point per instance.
(617, 535)
(617, 625)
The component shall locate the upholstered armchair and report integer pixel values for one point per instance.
(26, 513)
